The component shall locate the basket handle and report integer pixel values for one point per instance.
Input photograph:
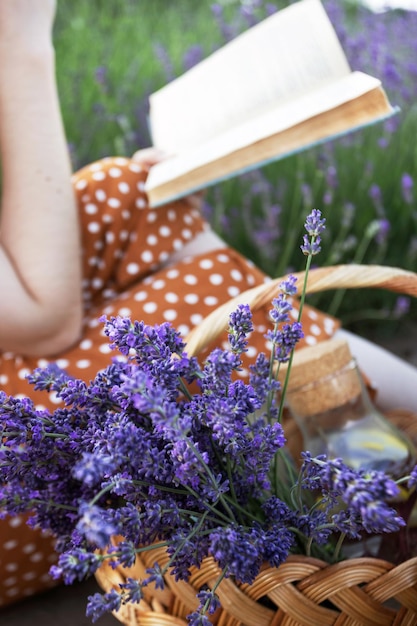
(319, 279)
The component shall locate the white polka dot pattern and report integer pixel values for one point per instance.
(25, 559)
(133, 240)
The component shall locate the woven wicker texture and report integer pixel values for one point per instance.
(303, 591)
(320, 279)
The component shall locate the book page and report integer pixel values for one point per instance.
(288, 54)
(276, 120)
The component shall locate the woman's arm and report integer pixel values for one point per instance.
(40, 269)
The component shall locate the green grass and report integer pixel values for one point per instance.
(119, 35)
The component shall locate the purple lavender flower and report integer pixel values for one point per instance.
(412, 481)
(328, 197)
(76, 565)
(125, 551)
(226, 30)
(383, 142)
(401, 307)
(288, 286)
(162, 55)
(101, 76)
(284, 340)
(407, 185)
(188, 464)
(281, 309)
(260, 379)
(198, 619)
(92, 468)
(240, 325)
(94, 525)
(267, 229)
(331, 177)
(50, 378)
(209, 601)
(132, 590)
(314, 226)
(375, 193)
(241, 551)
(281, 305)
(310, 247)
(307, 194)
(218, 369)
(186, 550)
(348, 214)
(156, 576)
(192, 56)
(248, 14)
(314, 223)
(270, 8)
(238, 551)
(365, 494)
(315, 525)
(384, 228)
(99, 604)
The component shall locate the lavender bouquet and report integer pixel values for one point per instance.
(139, 455)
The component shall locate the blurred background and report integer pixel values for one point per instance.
(112, 55)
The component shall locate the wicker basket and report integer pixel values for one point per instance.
(303, 591)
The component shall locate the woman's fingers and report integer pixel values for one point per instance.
(149, 156)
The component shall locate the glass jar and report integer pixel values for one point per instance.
(330, 403)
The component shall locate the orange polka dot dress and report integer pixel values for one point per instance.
(126, 268)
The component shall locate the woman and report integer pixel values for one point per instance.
(66, 258)
(72, 249)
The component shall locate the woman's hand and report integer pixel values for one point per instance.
(151, 156)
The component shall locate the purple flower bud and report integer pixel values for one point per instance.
(288, 286)
(328, 197)
(163, 57)
(240, 325)
(331, 177)
(307, 194)
(310, 246)
(314, 223)
(375, 193)
(101, 75)
(348, 214)
(99, 604)
(192, 56)
(402, 306)
(384, 228)
(412, 481)
(407, 185)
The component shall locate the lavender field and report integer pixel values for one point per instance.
(111, 55)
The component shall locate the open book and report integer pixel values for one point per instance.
(280, 87)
